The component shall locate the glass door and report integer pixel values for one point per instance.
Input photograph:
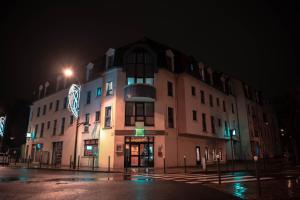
(134, 155)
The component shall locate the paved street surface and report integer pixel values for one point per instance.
(21, 183)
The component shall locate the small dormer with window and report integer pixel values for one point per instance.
(170, 60)
(110, 55)
(201, 71)
(210, 74)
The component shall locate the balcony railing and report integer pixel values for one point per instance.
(139, 92)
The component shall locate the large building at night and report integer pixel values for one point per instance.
(144, 102)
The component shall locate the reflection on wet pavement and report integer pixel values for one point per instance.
(24, 179)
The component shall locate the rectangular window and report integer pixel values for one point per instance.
(62, 127)
(109, 88)
(99, 92)
(57, 105)
(232, 108)
(193, 91)
(48, 125)
(38, 112)
(54, 127)
(139, 111)
(202, 97)
(149, 114)
(97, 116)
(194, 115)
(170, 89)
(65, 102)
(87, 122)
(170, 117)
(204, 122)
(71, 119)
(88, 97)
(218, 101)
(36, 129)
(211, 102)
(108, 117)
(149, 81)
(91, 147)
(219, 122)
(42, 130)
(224, 106)
(212, 120)
(130, 80)
(226, 133)
(44, 109)
(50, 106)
(129, 114)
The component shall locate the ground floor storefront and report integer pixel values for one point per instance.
(131, 151)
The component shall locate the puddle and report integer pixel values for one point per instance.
(24, 179)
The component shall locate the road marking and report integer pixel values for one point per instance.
(243, 180)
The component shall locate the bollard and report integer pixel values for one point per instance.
(108, 164)
(28, 162)
(93, 163)
(70, 161)
(184, 160)
(219, 171)
(257, 175)
(41, 161)
(164, 164)
(78, 162)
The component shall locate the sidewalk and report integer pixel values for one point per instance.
(269, 166)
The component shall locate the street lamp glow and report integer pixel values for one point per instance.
(68, 72)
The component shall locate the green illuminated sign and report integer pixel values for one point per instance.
(139, 132)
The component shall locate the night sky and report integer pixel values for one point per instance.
(255, 41)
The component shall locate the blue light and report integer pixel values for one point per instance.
(74, 99)
(2, 125)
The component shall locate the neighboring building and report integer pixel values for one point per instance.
(146, 101)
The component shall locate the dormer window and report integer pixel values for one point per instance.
(170, 60)
(110, 58)
(139, 67)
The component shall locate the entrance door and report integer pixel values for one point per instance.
(134, 151)
(57, 153)
(139, 152)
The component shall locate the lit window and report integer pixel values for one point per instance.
(91, 147)
(107, 117)
(149, 81)
(130, 80)
(109, 88)
(99, 92)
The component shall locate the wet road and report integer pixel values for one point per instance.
(46, 184)
(51, 184)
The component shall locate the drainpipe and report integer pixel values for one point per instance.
(176, 127)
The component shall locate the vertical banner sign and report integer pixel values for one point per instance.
(2, 125)
(74, 99)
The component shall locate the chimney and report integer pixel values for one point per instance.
(89, 68)
(40, 90)
(46, 85)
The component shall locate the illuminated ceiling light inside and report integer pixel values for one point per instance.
(68, 72)
(74, 99)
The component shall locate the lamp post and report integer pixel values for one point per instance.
(73, 106)
(232, 133)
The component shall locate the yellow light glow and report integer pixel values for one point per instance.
(68, 72)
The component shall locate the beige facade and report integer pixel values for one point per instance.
(138, 121)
